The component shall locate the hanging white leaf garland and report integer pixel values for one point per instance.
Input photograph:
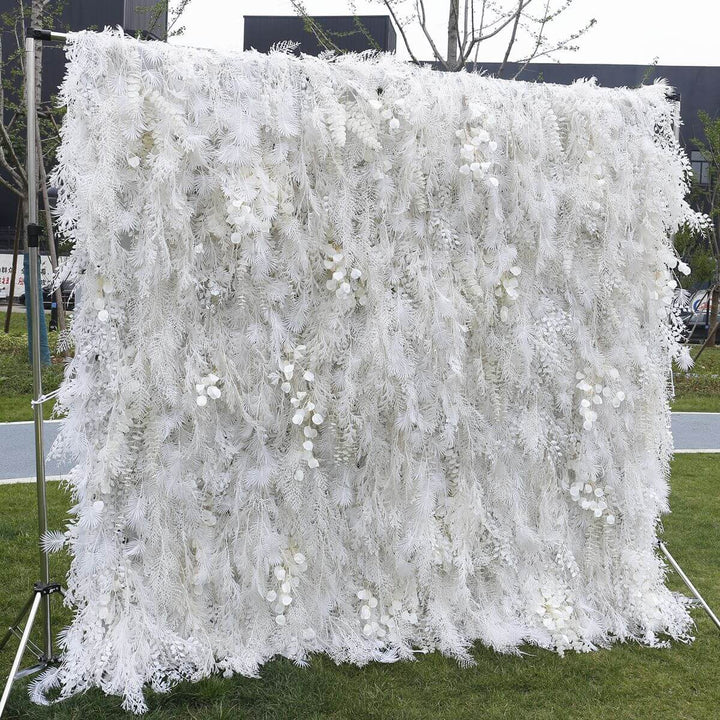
(370, 359)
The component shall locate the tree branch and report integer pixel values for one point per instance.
(420, 9)
(401, 30)
(513, 36)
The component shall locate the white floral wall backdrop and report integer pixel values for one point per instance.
(371, 359)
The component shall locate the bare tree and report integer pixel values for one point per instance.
(472, 22)
(171, 12)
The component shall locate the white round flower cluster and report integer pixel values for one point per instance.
(554, 322)
(670, 260)
(590, 496)
(207, 388)
(663, 289)
(381, 625)
(254, 192)
(392, 121)
(287, 576)
(477, 150)
(593, 389)
(507, 290)
(347, 286)
(296, 381)
(105, 288)
(557, 615)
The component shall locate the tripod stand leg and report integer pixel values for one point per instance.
(21, 650)
(12, 629)
(690, 586)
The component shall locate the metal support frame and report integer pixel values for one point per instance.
(40, 599)
(686, 580)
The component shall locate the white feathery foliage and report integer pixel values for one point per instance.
(370, 359)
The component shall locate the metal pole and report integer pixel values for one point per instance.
(690, 586)
(21, 650)
(36, 317)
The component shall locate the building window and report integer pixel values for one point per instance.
(700, 167)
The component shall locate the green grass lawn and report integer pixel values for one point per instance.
(698, 390)
(626, 683)
(16, 373)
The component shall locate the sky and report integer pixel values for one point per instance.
(627, 31)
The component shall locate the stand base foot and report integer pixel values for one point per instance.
(30, 608)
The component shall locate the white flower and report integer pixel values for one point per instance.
(480, 135)
(213, 392)
(103, 315)
(494, 181)
(201, 400)
(309, 376)
(133, 161)
(394, 124)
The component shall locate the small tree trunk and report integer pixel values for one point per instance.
(713, 324)
(50, 232)
(13, 272)
(712, 330)
(452, 47)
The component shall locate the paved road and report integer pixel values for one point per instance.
(693, 432)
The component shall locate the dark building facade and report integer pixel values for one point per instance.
(350, 34)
